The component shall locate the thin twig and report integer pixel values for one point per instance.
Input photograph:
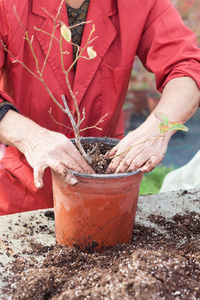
(57, 121)
(39, 75)
(52, 37)
(95, 126)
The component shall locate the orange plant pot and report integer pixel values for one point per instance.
(98, 212)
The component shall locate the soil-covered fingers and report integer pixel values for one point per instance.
(151, 163)
(77, 162)
(56, 167)
(118, 163)
(126, 163)
(63, 169)
(139, 157)
(145, 160)
(38, 172)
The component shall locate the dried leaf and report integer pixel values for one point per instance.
(66, 32)
(91, 53)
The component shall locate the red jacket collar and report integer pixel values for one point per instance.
(98, 13)
(107, 6)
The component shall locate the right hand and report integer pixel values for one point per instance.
(54, 150)
(42, 148)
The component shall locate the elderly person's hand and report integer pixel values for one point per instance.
(180, 99)
(146, 148)
(42, 148)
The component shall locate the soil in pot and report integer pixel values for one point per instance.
(156, 265)
(98, 152)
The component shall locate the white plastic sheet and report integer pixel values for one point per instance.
(184, 178)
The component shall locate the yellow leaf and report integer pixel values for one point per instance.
(66, 32)
(91, 53)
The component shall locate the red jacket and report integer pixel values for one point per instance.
(151, 29)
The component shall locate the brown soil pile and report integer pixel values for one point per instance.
(162, 264)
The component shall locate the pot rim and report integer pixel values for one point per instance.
(108, 140)
(103, 176)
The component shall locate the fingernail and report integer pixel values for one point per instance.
(110, 171)
(144, 169)
(38, 185)
(73, 181)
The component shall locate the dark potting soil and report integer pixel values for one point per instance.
(158, 264)
(98, 153)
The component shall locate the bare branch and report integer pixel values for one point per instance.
(81, 23)
(47, 33)
(57, 121)
(52, 35)
(95, 126)
(81, 51)
(39, 75)
(76, 131)
(68, 112)
(20, 62)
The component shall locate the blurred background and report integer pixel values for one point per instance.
(142, 98)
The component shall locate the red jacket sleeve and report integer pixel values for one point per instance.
(167, 47)
(4, 27)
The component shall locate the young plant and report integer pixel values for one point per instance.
(65, 34)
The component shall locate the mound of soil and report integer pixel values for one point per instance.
(158, 264)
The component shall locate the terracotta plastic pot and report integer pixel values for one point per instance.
(99, 211)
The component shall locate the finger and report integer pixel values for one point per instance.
(115, 162)
(134, 166)
(122, 161)
(63, 171)
(151, 163)
(118, 154)
(82, 165)
(80, 162)
(124, 165)
(113, 151)
(74, 165)
(70, 178)
(38, 173)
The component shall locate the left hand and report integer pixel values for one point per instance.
(145, 155)
(180, 99)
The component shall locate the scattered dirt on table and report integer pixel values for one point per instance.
(158, 264)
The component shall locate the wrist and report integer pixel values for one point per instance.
(16, 130)
(152, 125)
